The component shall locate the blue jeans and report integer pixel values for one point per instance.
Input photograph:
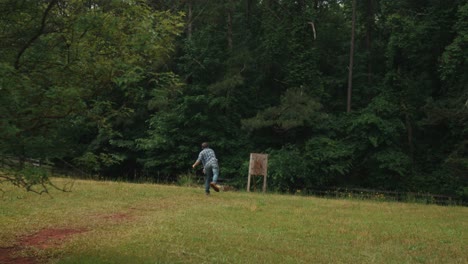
(211, 170)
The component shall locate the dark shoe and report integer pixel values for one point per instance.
(207, 193)
(214, 186)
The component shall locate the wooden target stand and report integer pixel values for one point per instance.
(258, 167)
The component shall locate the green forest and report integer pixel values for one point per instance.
(368, 94)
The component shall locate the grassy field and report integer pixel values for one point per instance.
(145, 223)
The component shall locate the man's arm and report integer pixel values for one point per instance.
(196, 164)
(198, 160)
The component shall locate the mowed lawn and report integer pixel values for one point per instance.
(147, 223)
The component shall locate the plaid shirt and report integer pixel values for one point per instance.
(207, 156)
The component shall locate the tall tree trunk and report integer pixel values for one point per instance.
(248, 11)
(409, 129)
(370, 22)
(351, 59)
(190, 19)
(229, 24)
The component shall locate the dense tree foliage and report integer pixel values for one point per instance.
(131, 88)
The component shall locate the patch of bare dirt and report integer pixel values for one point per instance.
(47, 238)
(43, 239)
(8, 256)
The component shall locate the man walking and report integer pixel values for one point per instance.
(210, 167)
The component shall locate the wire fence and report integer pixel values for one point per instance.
(66, 169)
(383, 195)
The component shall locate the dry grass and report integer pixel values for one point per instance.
(144, 223)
